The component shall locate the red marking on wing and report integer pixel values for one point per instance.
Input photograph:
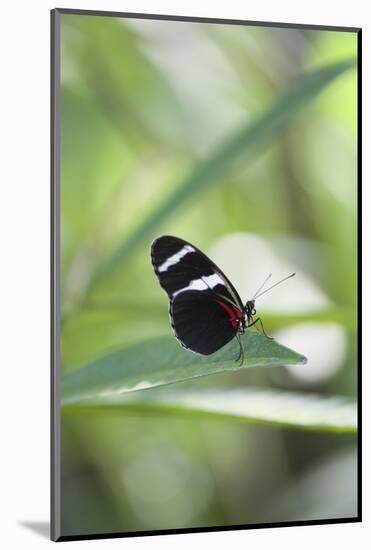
(234, 314)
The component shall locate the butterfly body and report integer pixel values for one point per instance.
(205, 310)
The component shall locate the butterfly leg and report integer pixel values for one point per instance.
(258, 320)
(241, 354)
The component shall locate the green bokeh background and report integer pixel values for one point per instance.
(142, 104)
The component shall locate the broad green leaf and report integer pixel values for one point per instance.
(253, 405)
(247, 142)
(163, 361)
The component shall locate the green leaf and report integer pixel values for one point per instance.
(252, 405)
(163, 361)
(246, 142)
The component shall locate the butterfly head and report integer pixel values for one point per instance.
(250, 308)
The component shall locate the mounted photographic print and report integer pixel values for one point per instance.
(205, 274)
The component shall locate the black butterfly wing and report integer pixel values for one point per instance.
(205, 308)
(202, 321)
(181, 266)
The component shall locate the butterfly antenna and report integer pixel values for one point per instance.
(270, 288)
(261, 286)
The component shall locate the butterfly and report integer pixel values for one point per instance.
(205, 309)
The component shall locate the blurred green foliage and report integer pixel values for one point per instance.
(152, 112)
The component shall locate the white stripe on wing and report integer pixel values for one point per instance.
(175, 258)
(204, 283)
